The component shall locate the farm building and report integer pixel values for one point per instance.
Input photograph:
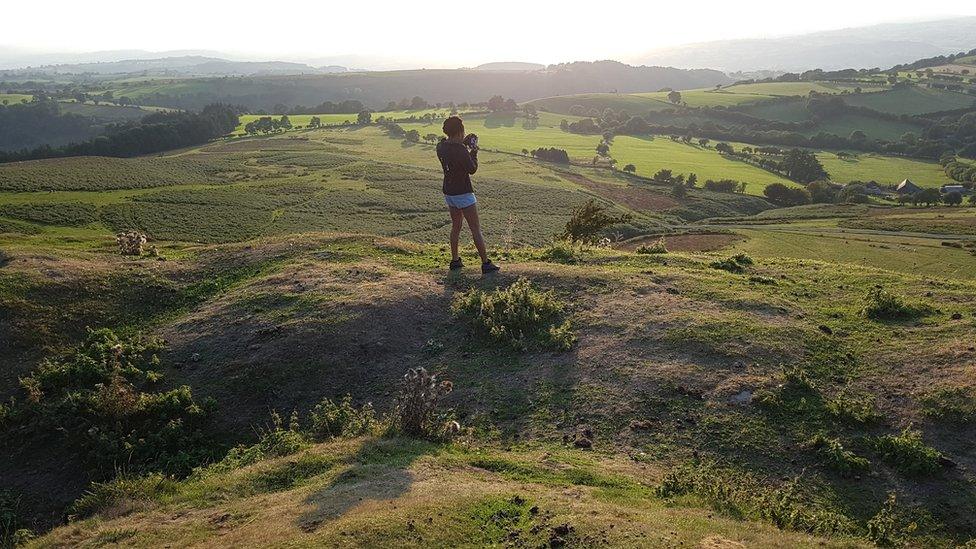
(945, 189)
(907, 187)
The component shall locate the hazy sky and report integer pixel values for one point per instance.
(444, 34)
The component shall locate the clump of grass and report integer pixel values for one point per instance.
(881, 304)
(123, 494)
(787, 507)
(12, 524)
(908, 454)
(796, 394)
(520, 316)
(835, 457)
(736, 264)
(951, 404)
(565, 251)
(850, 406)
(656, 247)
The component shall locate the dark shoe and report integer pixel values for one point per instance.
(456, 264)
(489, 267)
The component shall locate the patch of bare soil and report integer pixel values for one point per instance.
(315, 329)
(634, 198)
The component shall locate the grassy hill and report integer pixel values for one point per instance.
(748, 385)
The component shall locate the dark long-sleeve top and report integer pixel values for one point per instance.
(458, 164)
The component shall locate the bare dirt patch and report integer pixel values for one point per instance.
(633, 197)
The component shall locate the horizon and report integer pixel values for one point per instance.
(557, 41)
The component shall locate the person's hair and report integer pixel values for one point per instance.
(453, 126)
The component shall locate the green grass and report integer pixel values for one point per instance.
(912, 100)
(709, 98)
(794, 88)
(342, 118)
(874, 128)
(633, 103)
(886, 170)
(14, 98)
(104, 112)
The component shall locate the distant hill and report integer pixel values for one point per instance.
(188, 65)
(510, 66)
(376, 89)
(863, 47)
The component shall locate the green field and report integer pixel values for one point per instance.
(912, 100)
(14, 98)
(886, 170)
(632, 103)
(795, 88)
(710, 98)
(874, 128)
(340, 119)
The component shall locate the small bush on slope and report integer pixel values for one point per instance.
(884, 305)
(951, 404)
(97, 397)
(520, 316)
(835, 457)
(418, 405)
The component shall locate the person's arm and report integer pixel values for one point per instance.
(469, 159)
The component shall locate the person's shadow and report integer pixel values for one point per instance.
(378, 471)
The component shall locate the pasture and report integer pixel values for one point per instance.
(912, 100)
(14, 98)
(886, 170)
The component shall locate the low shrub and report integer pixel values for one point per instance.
(890, 527)
(736, 264)
(849, 406)
(123, 494)
(908, 454)
(565, 251)
(589, 220)
(98, 398)
(656, 247)
(951, 404)
(834, 456)
(13, 531)
(881, 304)
(341, 419)
(520, 316)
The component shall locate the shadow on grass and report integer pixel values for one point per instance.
(379, 471)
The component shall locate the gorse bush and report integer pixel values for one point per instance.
(835, 457)
(908, 454)
(520, 316)
(884, 305)
(565, 251)
(97, 397)
(588, 221)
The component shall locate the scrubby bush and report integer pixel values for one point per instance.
(341, 419)
(852, 407)
(656, 247)
(97, 397)
(520, 316)
(130, 243)
(418, 410)
(13, 532)
(952, 404)
(908, 454)
(589, 220)
(835, 457)
(884, 305)
(565, 251)
(123, 493)
(735, 264)
(890, 527)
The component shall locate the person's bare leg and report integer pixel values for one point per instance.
(471, 215)
(457, 221)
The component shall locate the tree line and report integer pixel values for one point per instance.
(156, 132)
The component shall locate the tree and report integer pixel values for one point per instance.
(692, 180)
(315, 122)
(412, 136)
(603, 149)
(779, 193)
(630, 168)
(510, 105)
(364, 118)
(953, 198)
(525, 152)
(431, 138)
(858, 135)
(821, 192)
(679, 191)
(724, 148)
(803, 166)
(284, 122)
(664, 176)
(417, 103)
(704, 143)
(927, 197)
(674, 97)
(496, 103)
